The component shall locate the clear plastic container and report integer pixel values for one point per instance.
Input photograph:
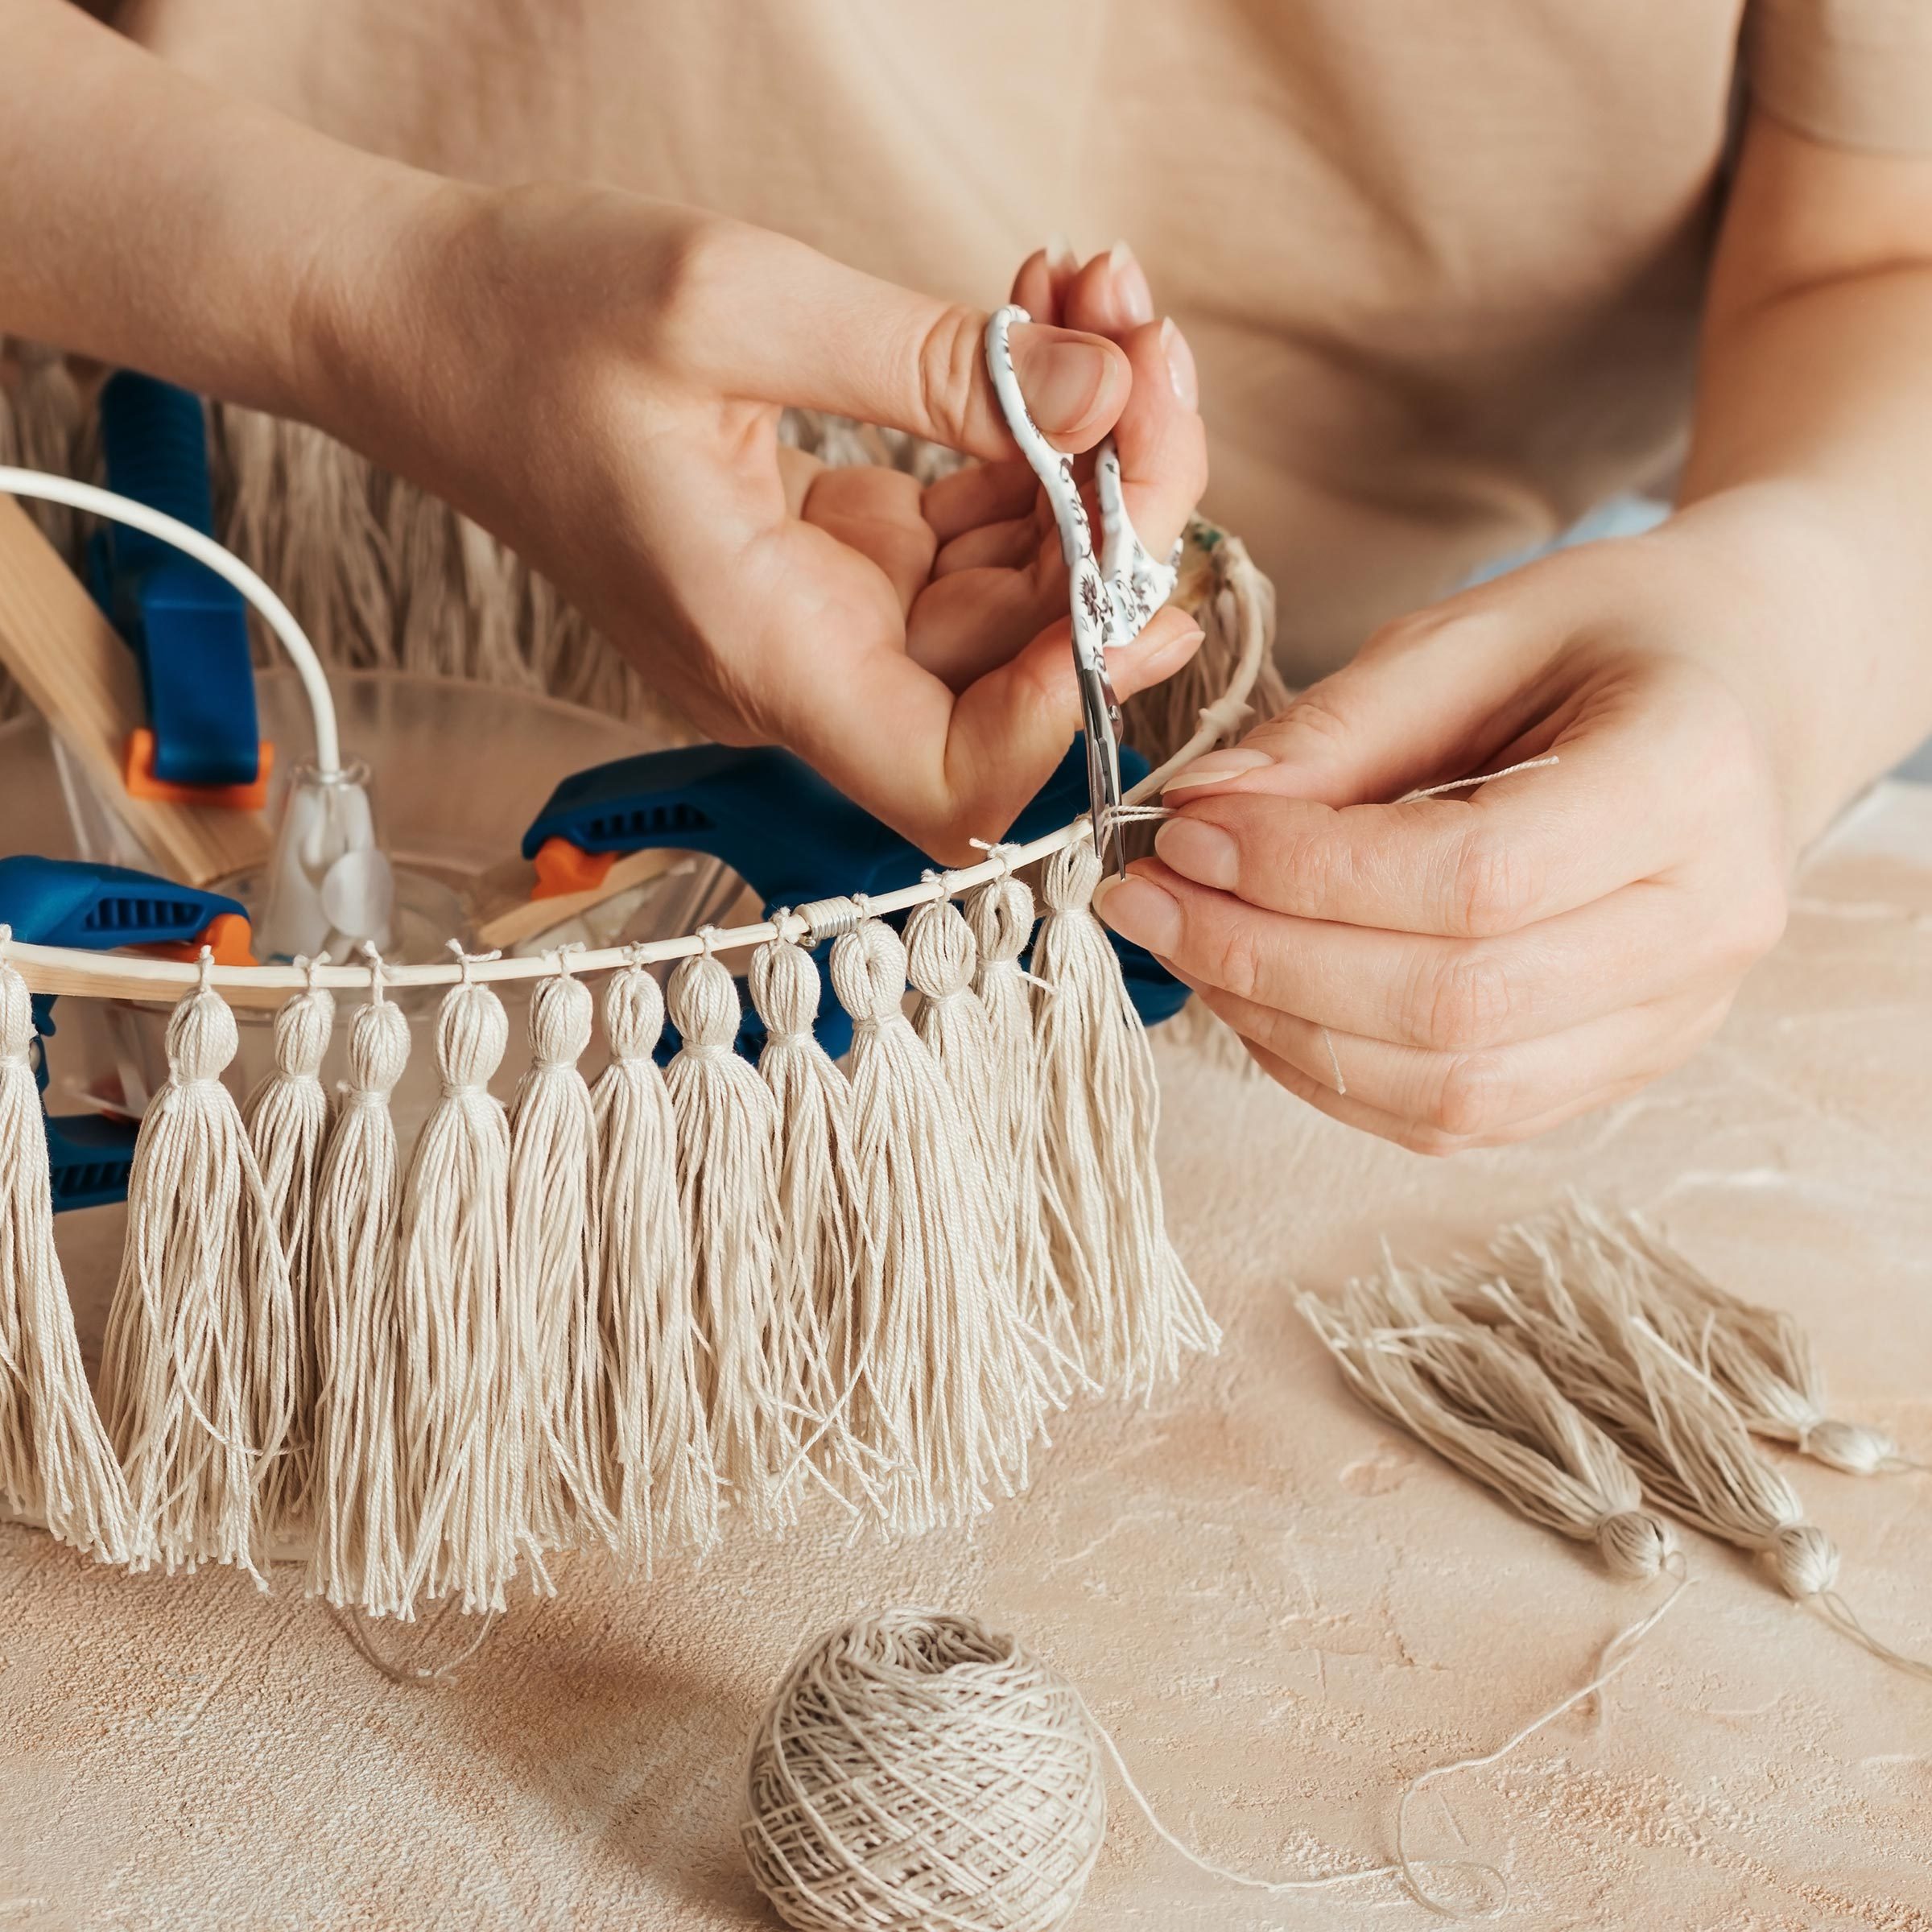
(457, 771)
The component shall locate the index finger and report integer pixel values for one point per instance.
(1521, 849)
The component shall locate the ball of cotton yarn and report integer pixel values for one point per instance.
(916, 1771)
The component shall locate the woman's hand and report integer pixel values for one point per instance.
(598, 379)
(1476, 968)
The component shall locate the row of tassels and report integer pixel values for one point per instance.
(602, 1316)
(1587, 1373)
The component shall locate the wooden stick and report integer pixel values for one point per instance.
(84, 681)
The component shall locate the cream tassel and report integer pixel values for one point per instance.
(1099, 1106)
(659, 1454)
(950, 1397)
(728, 1187)
(461, 1432)
(287, 1118)
(1478, 1399)
(361, 1532)
(200, 1336)
(1690, 1446)
(55, 1461)
(1000, 915)
(555, 1218)
(1760, 1357)
(816, 1348)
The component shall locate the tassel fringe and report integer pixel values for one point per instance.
(601, 1316)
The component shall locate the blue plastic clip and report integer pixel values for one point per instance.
(96, 908)
(187, 627)
(792, 837)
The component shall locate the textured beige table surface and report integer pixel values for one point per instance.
(1283, 1610)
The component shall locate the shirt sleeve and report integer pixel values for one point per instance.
(1856, 73)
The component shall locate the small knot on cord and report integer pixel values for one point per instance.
(308, 967)
(206, 964)
(792, 928)
(469, 961)
(1002, 854)
(1225, 716)
(378, 972)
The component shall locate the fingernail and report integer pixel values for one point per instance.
(1177, 651)
(1181, 372)
(1060, 257)
(1218, 765)
(1200, 852)
(1064, 379)
(1130, 288)
(1139, 910)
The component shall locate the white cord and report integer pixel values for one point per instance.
(223, 564)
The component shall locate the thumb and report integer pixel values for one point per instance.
(1428, 698)
(803, 330)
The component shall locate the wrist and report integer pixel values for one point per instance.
(1774, 603)
(374, 336)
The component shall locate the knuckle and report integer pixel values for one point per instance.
(699, 269)
(1238, 957)
(1473, 1097)
(1493, 885)
(1466, 1003)
(947, 364)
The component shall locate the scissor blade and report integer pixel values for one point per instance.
(1100, 713)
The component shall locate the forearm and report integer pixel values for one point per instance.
(1810, 473)
(147, 220)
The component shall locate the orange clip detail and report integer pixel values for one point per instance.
(138, 774)
(563, 867)
(228, 936)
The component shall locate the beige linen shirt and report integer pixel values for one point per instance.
(1440, 260)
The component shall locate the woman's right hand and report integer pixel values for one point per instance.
(598, 379)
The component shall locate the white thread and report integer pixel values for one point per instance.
(1508, 771)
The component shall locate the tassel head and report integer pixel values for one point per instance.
(940, 951)
(785, 989)
(303, 1028)
(201, 1038)
(378, 1048)
(16, 1015)
(703, 1001)
(869, 973)
(1636, 1544)
(472, 1034)
(634, 1014)
(559, 1021)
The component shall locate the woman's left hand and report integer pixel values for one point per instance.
(1468, 970)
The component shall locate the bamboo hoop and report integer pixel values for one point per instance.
(70, 972)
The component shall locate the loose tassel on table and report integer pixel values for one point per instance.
(287, 1118)
(555, 1238)
(951, 1397)
(1000, 915)
(728, 1182)
(461, 1430)
(664, 1487)
(1099, 1106)
(363, 1523)
(56, 1460)
(200, 1338)
(1690, 1446)
(1760, 1357)
(1478, 1399)
(817, 1338)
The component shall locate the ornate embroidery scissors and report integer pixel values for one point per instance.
(1111, 597)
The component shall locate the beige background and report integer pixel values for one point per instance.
(1283, 1610)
